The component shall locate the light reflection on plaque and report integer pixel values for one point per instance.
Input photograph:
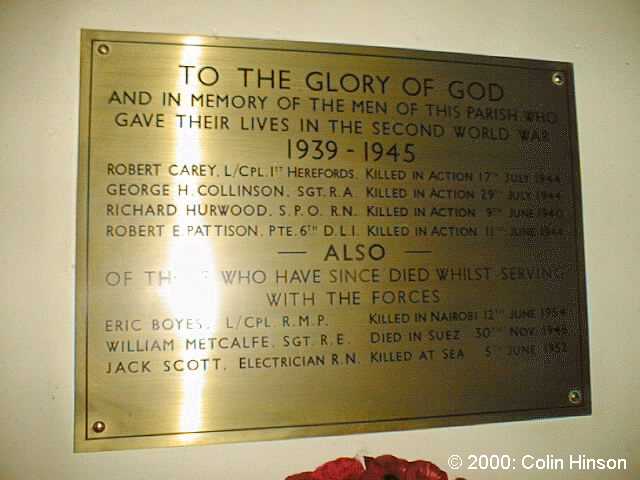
(189, 258)
(280, 239)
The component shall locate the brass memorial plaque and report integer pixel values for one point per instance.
(281, 239)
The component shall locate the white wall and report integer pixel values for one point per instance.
(39, 80)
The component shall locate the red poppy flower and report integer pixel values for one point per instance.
(338, 469)
(388, 467)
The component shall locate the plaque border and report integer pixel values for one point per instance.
(82, 440)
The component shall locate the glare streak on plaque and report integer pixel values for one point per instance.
(196, 297)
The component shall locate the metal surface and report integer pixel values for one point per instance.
(281, 239)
